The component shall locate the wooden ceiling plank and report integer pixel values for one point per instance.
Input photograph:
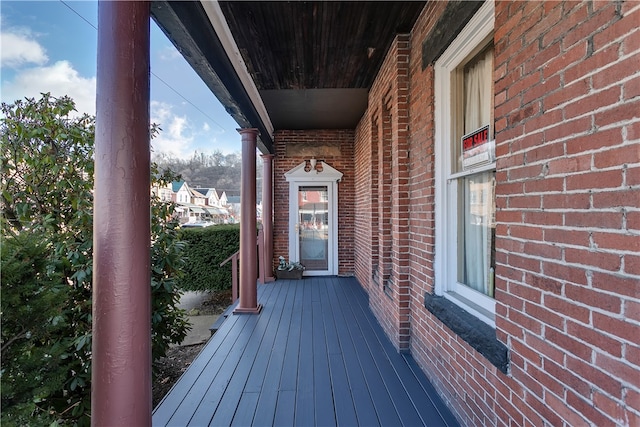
(316, 44)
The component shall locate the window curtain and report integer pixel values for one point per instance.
(479, 200)
(478, 76)
(478, 222)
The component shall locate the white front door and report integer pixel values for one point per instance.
(314, 223)
(313, 219)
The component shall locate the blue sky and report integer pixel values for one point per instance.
(47, 47)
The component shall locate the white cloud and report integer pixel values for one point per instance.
(32, 73)
(18, 48)
(176, 137)
(169, 53)
(59, 79)
(177, 126)
(180, 137)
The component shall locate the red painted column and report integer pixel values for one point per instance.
(267, 213)
(121, 367)
(248, 303)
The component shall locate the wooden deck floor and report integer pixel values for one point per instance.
(314, 356)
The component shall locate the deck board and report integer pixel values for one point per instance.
(382, 402)
(266, 405)
(362, 402)
(323, 397)
(284, 409)
(389, 372)
(187, 393)
(226, 410)
(262, 357)
(416, 394)
(246, 409)
(304, 413)
(315, 355)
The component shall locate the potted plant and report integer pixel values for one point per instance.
(289, 270)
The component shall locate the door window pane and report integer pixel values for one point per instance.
(313, 227)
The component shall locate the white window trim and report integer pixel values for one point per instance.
(471, 38)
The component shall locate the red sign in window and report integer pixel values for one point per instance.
(475, 139)
(476, 148)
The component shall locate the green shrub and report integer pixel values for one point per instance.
(46, 197)
(33, 319)
(205, 249)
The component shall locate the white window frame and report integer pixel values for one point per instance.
(471, 39)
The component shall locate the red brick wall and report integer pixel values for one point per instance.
(382, 194)
(343, 163)
(366, 161)
(567, 121)
(567, 99)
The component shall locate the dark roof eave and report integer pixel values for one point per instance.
(187, 26)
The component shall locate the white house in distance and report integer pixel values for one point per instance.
(211, 196)
(195, 204)
(222, 197)
(181, 191)
(165, 193)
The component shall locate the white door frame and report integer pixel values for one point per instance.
(328, 177)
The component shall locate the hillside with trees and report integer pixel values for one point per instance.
(217, 170)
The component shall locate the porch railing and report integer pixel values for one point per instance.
(263, 264)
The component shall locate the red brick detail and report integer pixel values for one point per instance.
(567, 97)
(344, 163)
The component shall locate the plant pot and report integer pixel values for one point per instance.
(291, 275)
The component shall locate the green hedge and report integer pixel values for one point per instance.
(205, 249)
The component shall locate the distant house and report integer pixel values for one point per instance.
(197, 198)
(181, 192)
(234, 205)
(190, 203)
(222, 197)
(165, 193)
(211, 196)
(216, 207)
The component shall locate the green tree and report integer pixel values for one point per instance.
(46, 200)
(169, 324)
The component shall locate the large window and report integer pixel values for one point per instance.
(465, 168)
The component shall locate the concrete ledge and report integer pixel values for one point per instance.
(473, 331)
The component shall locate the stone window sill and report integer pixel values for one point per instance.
(470, 329)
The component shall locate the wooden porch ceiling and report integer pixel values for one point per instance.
(316, 45)
(311, 62)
